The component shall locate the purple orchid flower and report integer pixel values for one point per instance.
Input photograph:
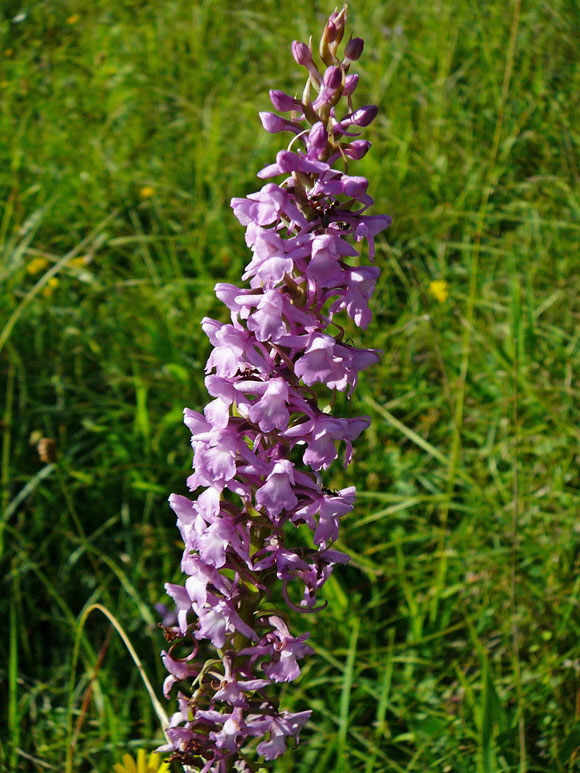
(262, 444)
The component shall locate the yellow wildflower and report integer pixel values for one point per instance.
(36, 265)
(50, 287)
(439, 289)
(73, 19)
(146, 192)
(77, 263)
(153, 764)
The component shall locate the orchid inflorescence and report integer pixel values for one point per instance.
(261, 444)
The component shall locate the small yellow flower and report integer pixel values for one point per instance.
(36, 265)
(152, 764)
(439, 289)
(50, 287)
(73, 19)
(146, 192)
(77, 263)
(8, 52)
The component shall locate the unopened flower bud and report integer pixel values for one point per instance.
(350, 84)
(364, 115)
(274, 123)
(284, 102)
(354, 49)
(332, 78)
(332, 87)
(332, 35)
(318, 138)
(335, 26)
(301, 53)
(357, 149)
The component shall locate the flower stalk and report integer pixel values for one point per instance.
(262, 523)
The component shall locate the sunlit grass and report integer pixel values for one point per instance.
(450, 641)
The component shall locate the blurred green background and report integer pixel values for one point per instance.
(451, 641)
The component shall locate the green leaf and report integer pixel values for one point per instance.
(570, 744)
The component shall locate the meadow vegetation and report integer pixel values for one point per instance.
(450, 642)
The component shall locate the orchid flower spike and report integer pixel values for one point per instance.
(263, 443)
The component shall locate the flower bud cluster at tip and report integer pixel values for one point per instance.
(262, 517)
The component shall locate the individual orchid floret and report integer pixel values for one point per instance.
(353, 50)
(350, 84)
(273, 124)
(260, 516)
(284, 102)
(332, 36)
(302, 54)
(363, 116)
(356, 150)
(332, 82)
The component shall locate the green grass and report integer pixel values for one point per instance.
(450, 643)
